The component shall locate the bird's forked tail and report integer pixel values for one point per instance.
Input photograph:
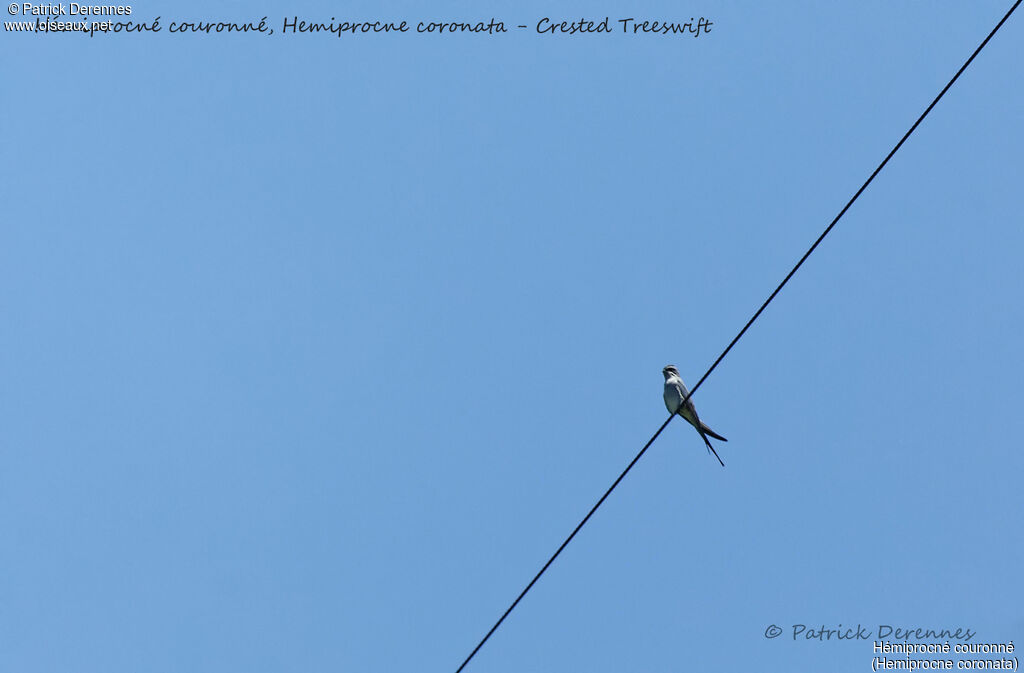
(711, 448)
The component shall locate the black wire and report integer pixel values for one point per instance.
(850, 202)
(567, 540)
(742, 332)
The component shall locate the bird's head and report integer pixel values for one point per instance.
(670, 370)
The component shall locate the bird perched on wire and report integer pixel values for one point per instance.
(675, 393)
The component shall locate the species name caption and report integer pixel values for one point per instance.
(49, 18)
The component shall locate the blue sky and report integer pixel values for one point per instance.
(315, 349)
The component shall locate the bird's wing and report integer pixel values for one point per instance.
(687, 410)
(683, 393)
(711, 433)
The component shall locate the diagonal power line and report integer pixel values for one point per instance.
(743, 331)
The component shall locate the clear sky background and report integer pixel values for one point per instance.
(313, 349)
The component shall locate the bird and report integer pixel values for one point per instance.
(675, 392)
